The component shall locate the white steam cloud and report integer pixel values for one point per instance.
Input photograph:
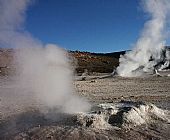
(43, 70)
(148, 49)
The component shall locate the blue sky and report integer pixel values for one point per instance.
(87, 25)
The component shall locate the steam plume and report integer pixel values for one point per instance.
(147, 51)
(43, 70)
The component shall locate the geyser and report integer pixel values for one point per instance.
(41, 69)
(147, 52)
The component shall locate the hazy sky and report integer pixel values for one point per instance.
(87, 25)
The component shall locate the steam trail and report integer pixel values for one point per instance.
(43, 70)
(150, 44)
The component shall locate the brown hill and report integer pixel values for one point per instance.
(96, 62)
(92, 62)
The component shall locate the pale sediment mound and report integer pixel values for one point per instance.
(123, 114)
(123, 120)
(144, 114)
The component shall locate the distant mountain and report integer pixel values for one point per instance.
(83, 61)
(96, 62)
(112, 54)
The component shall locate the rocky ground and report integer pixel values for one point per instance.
(152, 89)
(20, 117)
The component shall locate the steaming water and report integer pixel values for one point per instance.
(148, 49)
(43, 70)
(47, 73)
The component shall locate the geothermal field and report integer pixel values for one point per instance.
(47, 92)
(121, 108)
